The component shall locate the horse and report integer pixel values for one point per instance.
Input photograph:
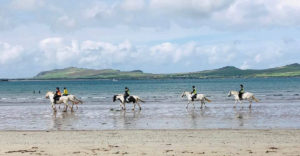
(199, 97)
(246, 96)
(63, 99)
(134, 99)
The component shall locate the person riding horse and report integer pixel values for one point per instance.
(65, 92)
(194, 93)
(241, 92)
(126, 94)
(57, 95)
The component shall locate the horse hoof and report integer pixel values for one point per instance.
(132, 109)
(140, 108)
(234, 106)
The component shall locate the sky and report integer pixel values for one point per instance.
(156, 36)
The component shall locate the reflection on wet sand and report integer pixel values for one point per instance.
(63, 120)
(153, 116)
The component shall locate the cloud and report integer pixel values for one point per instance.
(9, 53)
(152, 35)
(26, 4)
(133, 5)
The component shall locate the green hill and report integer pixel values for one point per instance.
(292, 70)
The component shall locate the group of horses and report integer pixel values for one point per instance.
(136, 100)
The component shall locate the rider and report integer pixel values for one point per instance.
(241, 92)
(57, 95)
(65, 92)
(194, 93)
(126, 94)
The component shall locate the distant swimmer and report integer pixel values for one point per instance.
(65, 92)
(194, 93)
(57, 95)
(241, 92)
(39, 91)
(126, 94)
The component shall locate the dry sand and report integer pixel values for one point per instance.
(151, 142)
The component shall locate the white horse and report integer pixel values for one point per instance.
(199, 97)
(246, 96)
(63, 99)
(134, 99)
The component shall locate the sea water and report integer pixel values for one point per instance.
(22, 107)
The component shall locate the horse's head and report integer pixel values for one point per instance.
(229, 94)
(48, 94)
(183, 94)
(114, 98)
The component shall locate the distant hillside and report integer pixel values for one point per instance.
(292, 70)
(82, 73)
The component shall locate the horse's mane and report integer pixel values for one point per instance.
(50, 92)
(233, 91)
(115, 97)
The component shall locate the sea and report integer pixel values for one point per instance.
(23, 105)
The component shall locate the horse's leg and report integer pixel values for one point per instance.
(201, 102)
(139, 106)
(67, 105)
(241, 103)
(121, 105)
(187, 105)
(72, 107)
(53, 107)
(235, 104)
(250, 101)
(204, 104)
(133, 106)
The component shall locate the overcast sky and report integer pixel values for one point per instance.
(157, 36)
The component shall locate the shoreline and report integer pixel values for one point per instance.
(152, 142)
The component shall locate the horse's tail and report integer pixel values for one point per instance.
(77, 100)
(207, 99)
(140, 100)
(256, 100)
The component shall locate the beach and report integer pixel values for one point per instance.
(151, 142)
(28, 125)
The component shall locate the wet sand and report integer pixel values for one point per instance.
(151, 142)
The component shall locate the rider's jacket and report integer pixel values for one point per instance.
(242, 91)
(58, 93)
(127, 92)
(194, 91)
(65, 91)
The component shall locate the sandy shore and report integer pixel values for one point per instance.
(151, 142)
